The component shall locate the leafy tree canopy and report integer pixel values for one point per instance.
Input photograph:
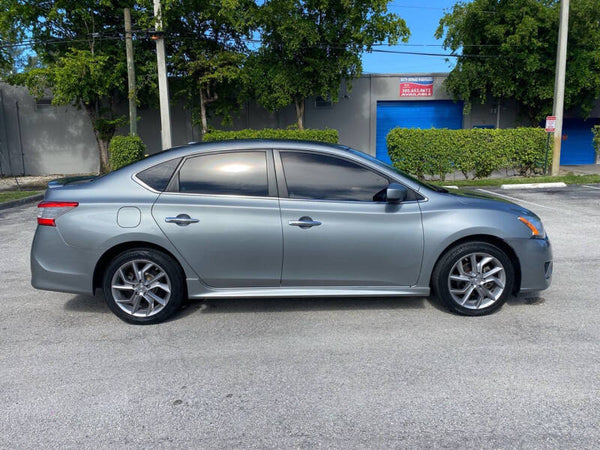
(206, 43)
(515, 41)
(309, 46)
(79, 57)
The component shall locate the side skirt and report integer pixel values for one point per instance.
(317, 291)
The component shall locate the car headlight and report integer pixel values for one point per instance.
(535, 226)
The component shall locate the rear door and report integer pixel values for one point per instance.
(222, 213)
(337, 229)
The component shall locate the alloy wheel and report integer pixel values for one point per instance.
(141, 288)
(477, 280)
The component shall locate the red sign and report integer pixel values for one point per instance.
(416, 86)
(550, 124)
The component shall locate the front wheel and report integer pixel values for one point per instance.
(143, 286)
(474, 278)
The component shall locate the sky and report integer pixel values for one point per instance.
(422, 19)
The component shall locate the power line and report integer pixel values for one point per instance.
(400, 5)
(447, 55)
(33, 42)
(414, 7)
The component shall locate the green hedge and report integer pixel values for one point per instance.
(438, 152)
(596, 132)
(329, 136)
(124, 150)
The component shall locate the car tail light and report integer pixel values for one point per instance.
(50, 211)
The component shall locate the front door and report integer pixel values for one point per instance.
(337, 229)
(222, 214)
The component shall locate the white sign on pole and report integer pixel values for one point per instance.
(550, 124)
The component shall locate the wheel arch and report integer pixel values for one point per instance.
(490, 239)
(109, 254)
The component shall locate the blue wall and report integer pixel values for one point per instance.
(578, 147)
(414, 114)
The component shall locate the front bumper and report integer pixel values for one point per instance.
(56, 266)
(535, 259)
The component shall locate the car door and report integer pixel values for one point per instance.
(222, 213)
(337, 231)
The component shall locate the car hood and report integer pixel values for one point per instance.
(482, 199)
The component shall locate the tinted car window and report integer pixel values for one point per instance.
(236, 173)
(322, 177)
(157, 177)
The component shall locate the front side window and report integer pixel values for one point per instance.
(323, 177)
(234, 173)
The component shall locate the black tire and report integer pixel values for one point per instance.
(157, 312)
(441, 276)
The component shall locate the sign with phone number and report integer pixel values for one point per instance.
(416, 86)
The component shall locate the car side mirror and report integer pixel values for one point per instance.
(396, 193)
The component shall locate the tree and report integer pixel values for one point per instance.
(513, 48)
(213, 76)
(309, 47)
(80, 57)
(10, 51)
(206, 43)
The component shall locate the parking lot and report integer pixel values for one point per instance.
(336, 373)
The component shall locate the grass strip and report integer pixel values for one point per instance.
(568, 179)
(16, 195)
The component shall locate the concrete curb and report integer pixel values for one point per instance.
(21, 201)
(533, 185)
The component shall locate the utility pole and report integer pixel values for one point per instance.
(130, 73)
(163, 86)
(559, 83)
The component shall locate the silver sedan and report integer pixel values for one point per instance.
(280, 219)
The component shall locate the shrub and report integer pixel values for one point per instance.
(329, 136)
(596, 132)
(527, 146)
(427, 155)
(124, 150)
(476, 151)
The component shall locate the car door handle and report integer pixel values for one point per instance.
(181, 220)
(304, 222)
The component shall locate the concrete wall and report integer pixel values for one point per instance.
(61, 140)
(351, 116)
(183, 130)
(52, 140)
(149, 127)
(505, 114)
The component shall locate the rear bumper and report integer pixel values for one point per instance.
(55, 266)
(535, 259)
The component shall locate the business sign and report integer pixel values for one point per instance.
(416, 86)
(550, 124)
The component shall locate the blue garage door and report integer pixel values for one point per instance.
(577, 145)
(414, 114)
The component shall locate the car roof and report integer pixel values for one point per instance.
(252, 144)
(237, 144)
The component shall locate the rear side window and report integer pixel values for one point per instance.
(233, 173)
(322, 177)
(157, 177)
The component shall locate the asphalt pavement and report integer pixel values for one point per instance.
(334, 373)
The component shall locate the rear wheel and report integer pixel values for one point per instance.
(143, 286)
(474, 278)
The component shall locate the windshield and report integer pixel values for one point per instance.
(399, 172)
